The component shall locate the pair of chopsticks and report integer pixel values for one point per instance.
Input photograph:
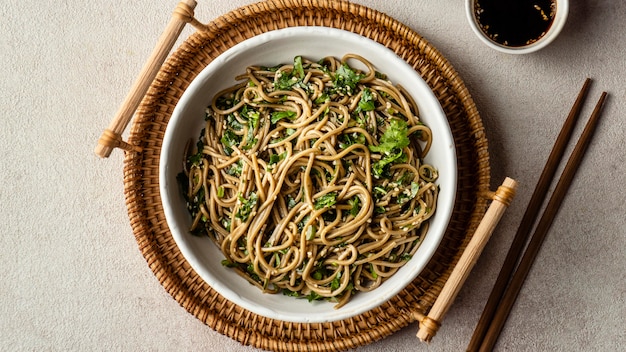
(510, 281)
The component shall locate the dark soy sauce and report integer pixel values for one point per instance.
(515, 22)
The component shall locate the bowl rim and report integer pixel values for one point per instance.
(560, 18)
(178, 233)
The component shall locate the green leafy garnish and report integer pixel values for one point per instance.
(326, 201)
(406, 256)
(395, 137)
(379, 191)
(336, 282)
(409, 194)
(297, 66)
(379, 167)
(275, 158)
(302, 222)
(253, 118)
(290, 293)
(348, 139)
(226, 223)
(252, 273)
(367, 101)
(247, 206)
(322, 99)
(236, 168)
(287, 80)
(346, 79)
(279, 115)
(415, 187)
(355, 205)
(290, 202)
(231, 122)
(196, 158)
(393, 140)
(373, 272)
(227, 263)
(405, 178)
(313, 296)
(229, 140)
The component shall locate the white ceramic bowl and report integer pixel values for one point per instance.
(272, 48)
(560, 17)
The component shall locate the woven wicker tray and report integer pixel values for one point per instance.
(141, 176)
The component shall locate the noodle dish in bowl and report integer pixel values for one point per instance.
(308, 174)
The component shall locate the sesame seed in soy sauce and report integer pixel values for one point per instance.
(515, 23)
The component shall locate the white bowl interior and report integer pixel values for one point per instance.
(272, 48)
(560, 17)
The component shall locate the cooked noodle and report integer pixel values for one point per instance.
(310, 178)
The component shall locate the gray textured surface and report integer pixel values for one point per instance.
(73, 278)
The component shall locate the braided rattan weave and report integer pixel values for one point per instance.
(141, 176)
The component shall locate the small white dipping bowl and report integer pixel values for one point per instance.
(269, 49)
(560, 17)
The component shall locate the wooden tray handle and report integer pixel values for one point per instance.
(112, 137)
(429, 324)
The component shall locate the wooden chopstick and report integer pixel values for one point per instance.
(523, 232)
(501, 301)
(510, 295)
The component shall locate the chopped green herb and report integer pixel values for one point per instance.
(227, 263)
(346, 79)
(302, 222)
(326, 201)
(405, 178)
(195, 159)
(297, 66)
(373, 272)
(247, 206)
(313, 296)
(415, 187)
(355, 205)
(379, 191)
(253, 122)
(226, 223)
(393, 140)
(276, 259)
(287, 80)
(279, 115)
(336, 282)
(290, 293)
(409, 194)
(290, 202)
(233, 123)
(380, 75)
(322, 99)
(220, 192)
(395, 137)
(275, 158)
(236, 168)
(229, 140)
(367, 101)
(348, 139)
(253, 274)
